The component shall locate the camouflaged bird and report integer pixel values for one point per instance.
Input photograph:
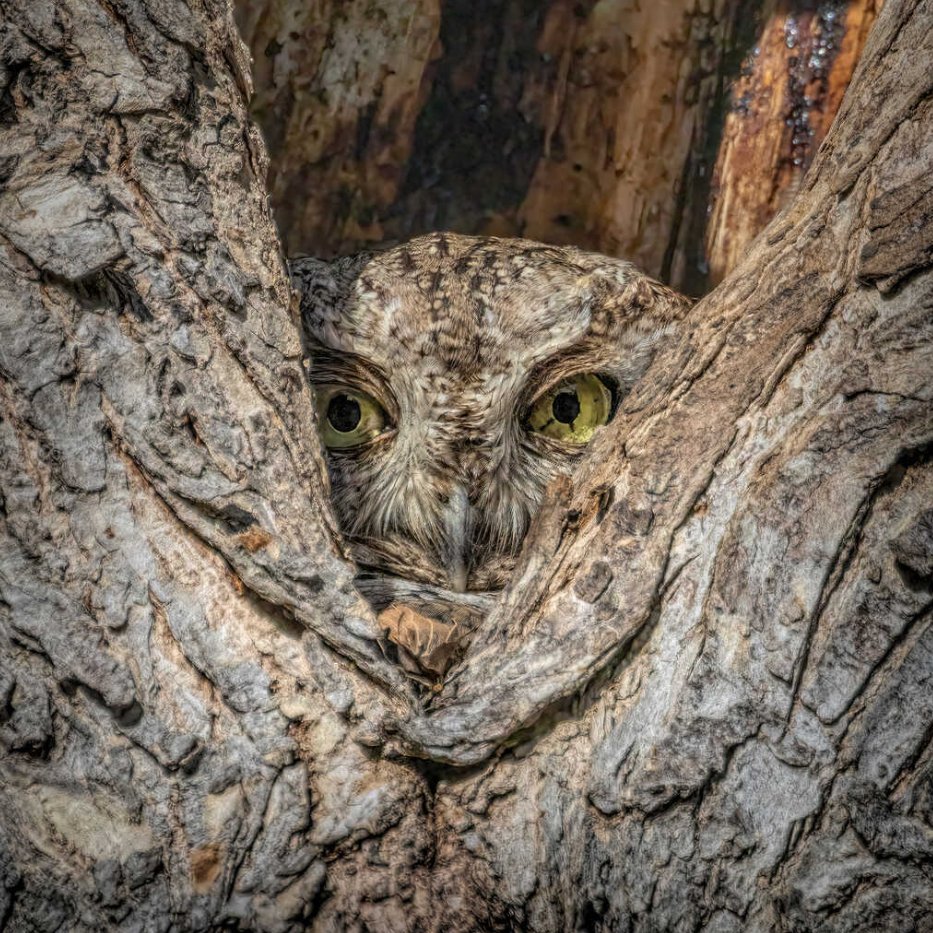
(454, 377)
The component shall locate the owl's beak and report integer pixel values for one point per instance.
(458, 521)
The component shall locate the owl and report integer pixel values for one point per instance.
(454, 378)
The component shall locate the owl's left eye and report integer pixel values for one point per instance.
(348, 417)
(572, 410)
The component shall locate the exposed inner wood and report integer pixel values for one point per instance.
(664, 133)
(781, 106)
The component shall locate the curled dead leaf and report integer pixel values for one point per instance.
(426, 646)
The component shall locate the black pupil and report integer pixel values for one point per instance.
(343, 413)
(566, 407)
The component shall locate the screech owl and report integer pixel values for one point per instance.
(454, 377)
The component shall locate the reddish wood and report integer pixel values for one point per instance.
(781, 108)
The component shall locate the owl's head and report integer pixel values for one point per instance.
(454, 377)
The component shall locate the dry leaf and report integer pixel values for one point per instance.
(426, 646)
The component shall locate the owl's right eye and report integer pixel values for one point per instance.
(348, 417)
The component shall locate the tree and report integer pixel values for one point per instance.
(704, 701)
(668, 134)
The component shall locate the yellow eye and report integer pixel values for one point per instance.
(348, 417)
(572, 410)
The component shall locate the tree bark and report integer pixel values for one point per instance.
(703, 703)
(668, 134)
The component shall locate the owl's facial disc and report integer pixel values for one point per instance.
(447, 502)
(454, 378)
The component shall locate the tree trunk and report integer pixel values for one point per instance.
(612, 125)
(703, 702)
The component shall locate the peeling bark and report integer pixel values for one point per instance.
(704, 701)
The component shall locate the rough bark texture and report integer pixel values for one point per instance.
(705, 701)
(666, 133)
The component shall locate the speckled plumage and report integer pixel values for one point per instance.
(455, 336)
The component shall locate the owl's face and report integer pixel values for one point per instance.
(454, 377)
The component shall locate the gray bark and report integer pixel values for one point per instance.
(704, 702)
